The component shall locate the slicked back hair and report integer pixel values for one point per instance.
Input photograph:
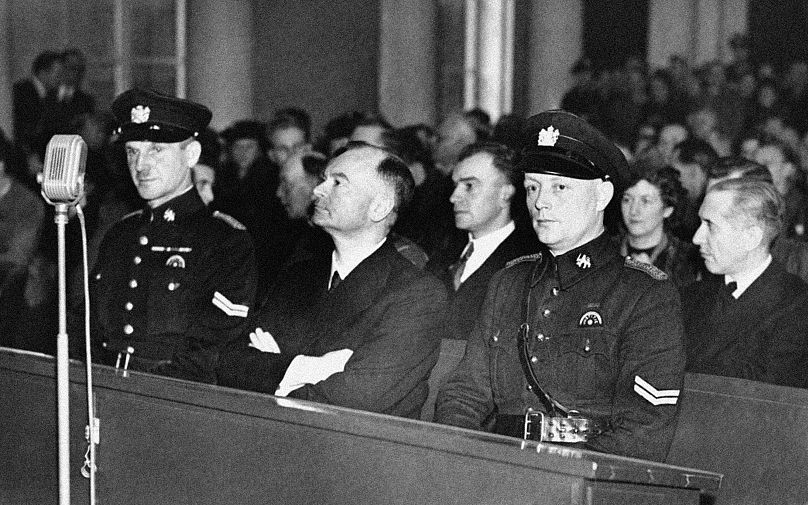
(392, 170)
(757, 201)
(503, 157)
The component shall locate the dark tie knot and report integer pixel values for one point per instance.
(730, 288)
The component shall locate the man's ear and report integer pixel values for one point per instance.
(506, 193)
(750, 237)
(382, 205)
(192, 153)
(605, 192)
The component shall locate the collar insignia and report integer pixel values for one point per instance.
(140, 114)
(590, 318)
(583, 261)
(169, 215)
(548, 136)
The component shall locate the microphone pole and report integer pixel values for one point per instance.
(62, 362)
(62, 185)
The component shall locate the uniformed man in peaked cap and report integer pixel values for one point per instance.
(173, 281)
(574, 344)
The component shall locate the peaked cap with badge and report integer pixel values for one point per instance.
(149, 115)
(558, 142)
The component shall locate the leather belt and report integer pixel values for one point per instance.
(541, 427)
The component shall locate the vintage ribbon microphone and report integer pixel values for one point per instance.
(63, 186)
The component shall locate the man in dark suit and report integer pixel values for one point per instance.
(749, 321)
(358, 326)
(31, 98)
(485, 185)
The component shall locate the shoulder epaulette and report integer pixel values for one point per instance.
(523, 259)
(233, 222)
(132, 214)
(645, 267)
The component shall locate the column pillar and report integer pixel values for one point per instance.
(670, 30)
(6, 110)
(407, 62)
(556, 42)
(494, 56)
(219, 61)
(708, 29)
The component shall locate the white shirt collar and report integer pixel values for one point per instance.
(484, 247)
(40, 88)
(350, 259)
(745, 279)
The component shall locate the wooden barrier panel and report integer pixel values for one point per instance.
(170, 441)
(755, 434)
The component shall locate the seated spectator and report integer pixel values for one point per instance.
(508, 130)
(649, 204)
(358, 326)
(21, 216)
(691, 158)
(791, 253)
(428, 219)
(337, 132)
(485, 189)
(370, 129)
(670, 136)
(748, 321)
(703, 124)
(481, 121)
(789, 181)
(455, 133)
(286, 133)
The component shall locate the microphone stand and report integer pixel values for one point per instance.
(62, 362)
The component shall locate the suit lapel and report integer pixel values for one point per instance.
(357, 292)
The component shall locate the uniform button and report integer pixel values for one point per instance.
(534, 359)
(133, 284)
(172, 286)
(530, 409)
(128, 329)
(546, 313)
(144, 240)
(137, 260)
(98, 276)
(555, 291)
(495, 338)
(540, 337)
(128, 306)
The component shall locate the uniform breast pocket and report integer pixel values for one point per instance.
(168, 300)
(505, 369)
(584, 363)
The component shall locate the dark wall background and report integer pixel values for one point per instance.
(614, 30)
(320, 55)
(777, 31)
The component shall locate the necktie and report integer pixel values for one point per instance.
(461, 265)
(730, 288)
(335, 280)
(633, 252)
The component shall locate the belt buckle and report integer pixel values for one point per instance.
(560, 430)
(534, 426)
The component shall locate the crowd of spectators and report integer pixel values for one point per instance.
(671, 123)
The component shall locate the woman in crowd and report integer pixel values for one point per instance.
(649, 208)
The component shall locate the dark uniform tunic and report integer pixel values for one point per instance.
(605, 339)
(174, 283)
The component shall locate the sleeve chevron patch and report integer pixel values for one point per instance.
(228, 307)
(653, 395)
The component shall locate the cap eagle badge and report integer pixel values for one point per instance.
(548, 136)
(140, 114)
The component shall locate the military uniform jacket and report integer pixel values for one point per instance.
(174, 283)
(605, 339)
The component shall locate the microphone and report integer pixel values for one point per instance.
(63, 173)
